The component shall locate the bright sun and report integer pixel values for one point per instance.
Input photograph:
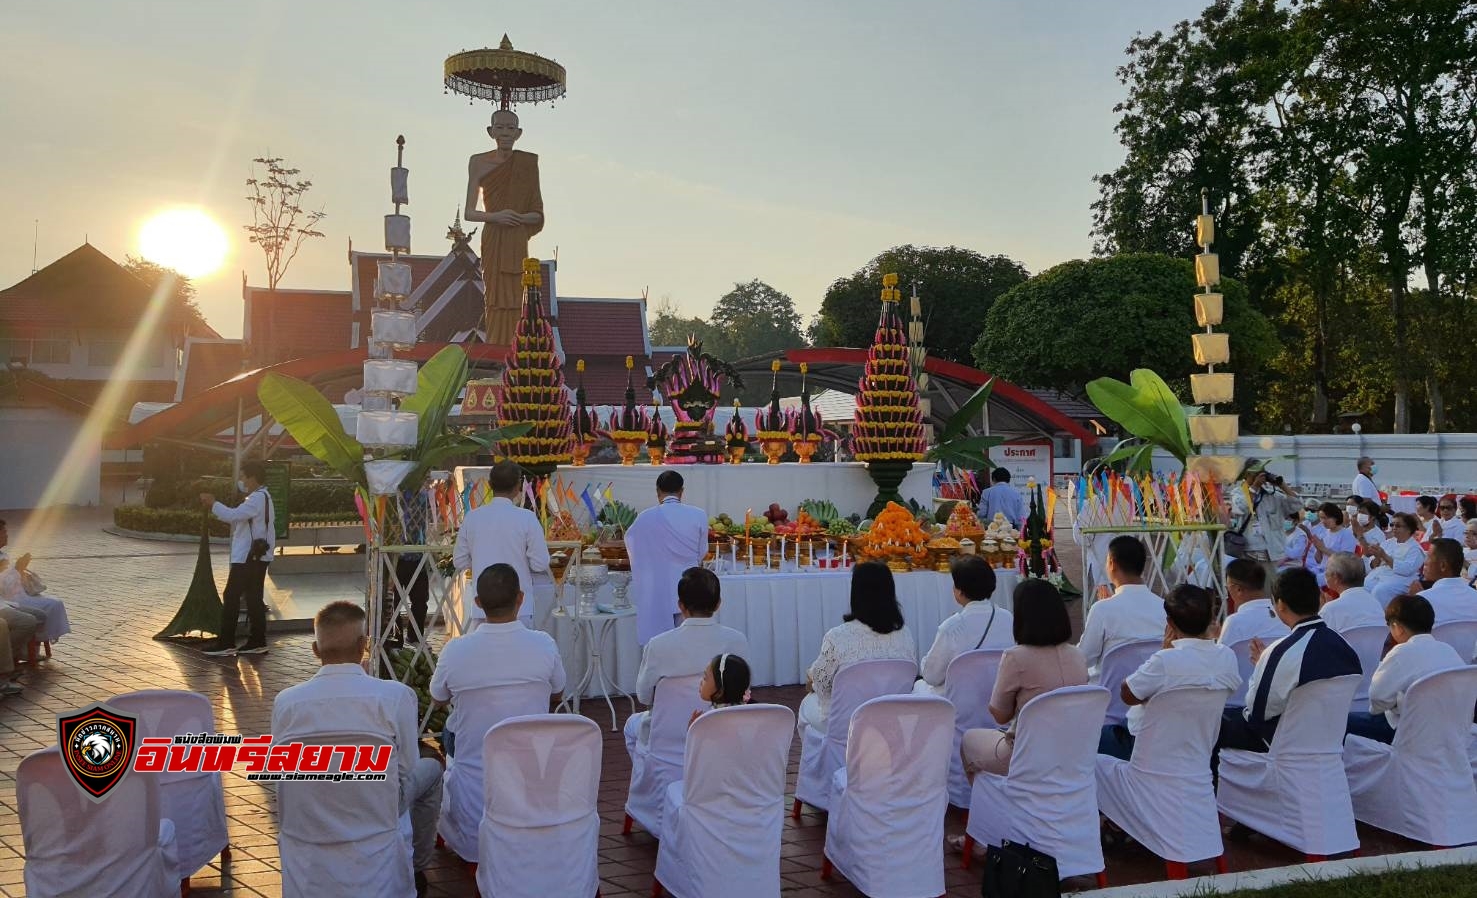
(187, 240)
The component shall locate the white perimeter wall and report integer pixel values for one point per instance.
(33, 442)
(1406, 461)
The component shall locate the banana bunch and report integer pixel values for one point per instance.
(414, 670)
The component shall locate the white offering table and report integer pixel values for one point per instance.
(736, 488)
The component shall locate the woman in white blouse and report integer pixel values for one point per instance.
(874, 629)
(1369, 524)
(1397, 561)
(1328, 538)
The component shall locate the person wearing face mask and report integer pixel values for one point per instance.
(1396, 561)
(1330, 537)
(1299, 551)
(501, 532)
(1364, 487)
(1369, 525)
(1259, 506)
(253, 538)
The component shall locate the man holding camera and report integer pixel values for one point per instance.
(1261, 509)
(253, 539)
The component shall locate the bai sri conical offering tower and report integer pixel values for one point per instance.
(533, 387)
(887, 432)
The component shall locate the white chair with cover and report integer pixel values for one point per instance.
(724, 818)
(1119, 664)
(1421, 786)
(1460, 635)
(473, 713)
(658, 763)
(892, 792)
(1297, 793)
(823, 753)
(1242, 651)
(1163, 796)
(540, 833)
(1369, 644)
(118, 848)
(1049, 798)
(967, 685)
(338, 841)
(194, 802)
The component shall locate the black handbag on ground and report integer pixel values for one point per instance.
(1019, 871)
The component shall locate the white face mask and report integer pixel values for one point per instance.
(1350, 510)
(1470, 555)
(1362, 518)
(240, 486)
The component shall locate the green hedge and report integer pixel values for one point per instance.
(165, 520)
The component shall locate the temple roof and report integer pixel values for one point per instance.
(84, 287)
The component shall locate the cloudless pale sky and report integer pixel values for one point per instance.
(700, 143)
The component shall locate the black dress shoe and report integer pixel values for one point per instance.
(421, 885)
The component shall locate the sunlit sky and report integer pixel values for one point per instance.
(700, 143)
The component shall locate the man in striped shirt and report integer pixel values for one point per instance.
(1312, 651)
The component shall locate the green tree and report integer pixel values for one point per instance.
(957, 288)
(1093, 318)
(182, 296)
(753, 319)
(669, 327)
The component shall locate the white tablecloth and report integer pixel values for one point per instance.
(736, 488)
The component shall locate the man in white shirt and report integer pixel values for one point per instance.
(1346, 603)
(501, 651)
(1450, 596)
(342, 698)
(1133, 613)
(1364, 486)
(501, 532)
(252, 527)
(1002, 498)
(1254, 618)
(686, 650)
(664, 541)
(978, 624)
(1416, 654)
(1189, 660)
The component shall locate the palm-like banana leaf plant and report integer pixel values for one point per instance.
(1148, 409)
(311, 420)
(955, 447)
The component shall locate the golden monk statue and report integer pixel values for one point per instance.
(513, 211)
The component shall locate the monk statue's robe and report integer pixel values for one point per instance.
(512, 185)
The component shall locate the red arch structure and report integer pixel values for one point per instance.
(951, 384)
(204, 415)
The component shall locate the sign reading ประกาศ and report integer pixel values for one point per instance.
(1026, 460)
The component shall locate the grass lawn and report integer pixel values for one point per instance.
(1441, 882)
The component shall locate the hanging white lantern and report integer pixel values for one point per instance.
(1211, 389)
(393, 278)
(1207, 269)
(397, 233)
(395, 328)
(387, 429)
(386, 475)
(1209, 309)
(392, 376)
(1211, 349)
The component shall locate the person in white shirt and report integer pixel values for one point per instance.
(1347, 604)
(343, 698)
(501, 532)
(20, 587)
(979, 623)
(252, 528)
(1449, 595)
(686, 650)
(1469, 553)
(1328, 538)
(1416, 654)
(500, 652)
(1364, 486)
(1299, 549)
(1369, 524)
(1425, 512)
(873, 630)
(1133, 613)
(1254, 618)
(1448, 525)
(1190, 659)
(1002, 498)
(1396, 561)
(664, 541)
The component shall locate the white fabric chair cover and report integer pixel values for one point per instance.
(343, 842)
(1421, 786)
(823, 753)
(723, 819)
(194, 802)
(893, 792)
(1242, 651)
(1369, 644)
(1163, 796)
(1460, 635)
(658, 763)
(540, 834)
(1049, 798)
(479, 710)
(1297, 793)
(967, 685)
(117, 848)
(1118, 665)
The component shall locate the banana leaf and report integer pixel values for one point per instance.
(1138, 454)
(449, 445)
(305, 414)
(1146, 408)
(970, 453)
(967, 413)
(437, 384)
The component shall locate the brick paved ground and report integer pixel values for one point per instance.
(120, 591)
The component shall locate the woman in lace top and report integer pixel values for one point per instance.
(874, 629)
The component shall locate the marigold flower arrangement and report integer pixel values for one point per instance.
(888, 422)
(896, 535)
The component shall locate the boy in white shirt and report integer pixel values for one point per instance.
(1416, 654)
